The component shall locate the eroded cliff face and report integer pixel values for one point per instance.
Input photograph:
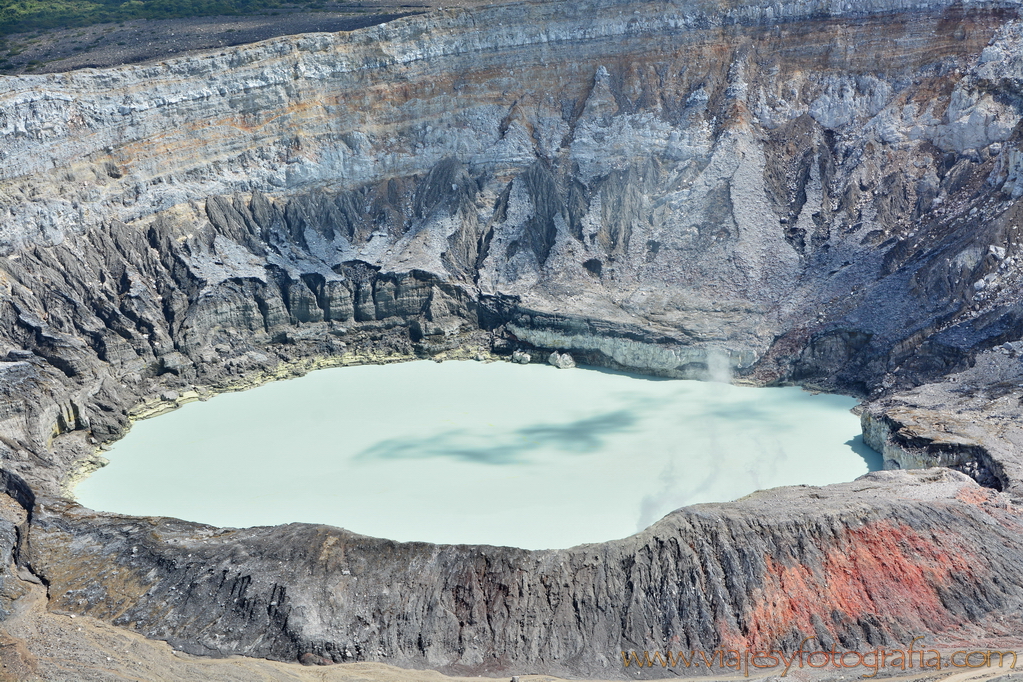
(860, 565)
(815, 194)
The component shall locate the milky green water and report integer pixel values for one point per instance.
(467, 452)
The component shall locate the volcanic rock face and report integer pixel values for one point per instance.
(804, 193)
(859, 565)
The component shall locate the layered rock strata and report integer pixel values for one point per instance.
(819, 194)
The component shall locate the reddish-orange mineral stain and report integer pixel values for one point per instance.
(884, 570)
(976, 495)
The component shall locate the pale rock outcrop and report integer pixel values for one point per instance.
(560, 360)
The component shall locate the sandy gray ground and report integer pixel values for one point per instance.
(145, 40)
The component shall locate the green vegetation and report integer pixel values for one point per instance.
(18, 16)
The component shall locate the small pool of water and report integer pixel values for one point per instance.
(467, 452)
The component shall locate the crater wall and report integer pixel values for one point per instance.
(817, 194)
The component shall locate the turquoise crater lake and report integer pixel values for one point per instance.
(469, 452)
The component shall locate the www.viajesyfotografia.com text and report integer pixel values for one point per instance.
(870, 662)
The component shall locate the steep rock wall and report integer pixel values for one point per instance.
(859, 565)
(724, 176)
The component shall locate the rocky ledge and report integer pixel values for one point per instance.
(821, 194)
(858, 565)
